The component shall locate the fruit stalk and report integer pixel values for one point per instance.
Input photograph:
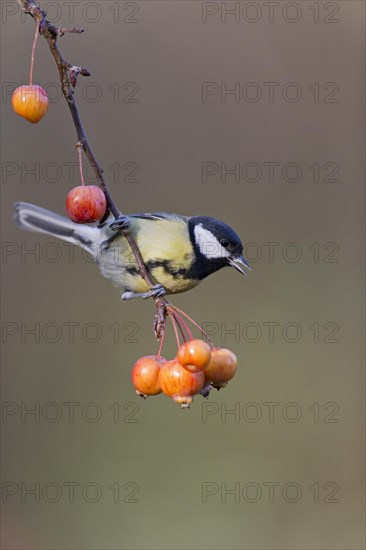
(196, 325)
(33, 52)
(79, 148)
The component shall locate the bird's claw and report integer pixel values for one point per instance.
(157, 291)
(120, 224)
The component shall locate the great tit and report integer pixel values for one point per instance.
(179, 251)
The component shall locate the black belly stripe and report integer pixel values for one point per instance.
(165, 264)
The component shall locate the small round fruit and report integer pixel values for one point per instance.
(86, 204)
(194, 355)
(145, 375)
(178, 383)
(221, 368)
(30, 102)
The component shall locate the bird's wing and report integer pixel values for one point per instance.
(160, 216)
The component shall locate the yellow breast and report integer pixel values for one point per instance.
(165, 248)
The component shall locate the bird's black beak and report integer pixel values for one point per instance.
(240, 263)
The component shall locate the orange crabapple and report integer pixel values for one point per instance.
(145, 375)
(180, 384)
(221, 368)
(194, 355)
(30, 102)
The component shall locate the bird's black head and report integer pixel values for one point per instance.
(216, 245)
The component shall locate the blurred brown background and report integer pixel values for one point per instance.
(298, 396)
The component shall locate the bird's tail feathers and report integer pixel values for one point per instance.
(34, 218)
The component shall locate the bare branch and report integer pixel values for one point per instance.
(68, 74)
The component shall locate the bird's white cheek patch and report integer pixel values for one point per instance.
(207, 243)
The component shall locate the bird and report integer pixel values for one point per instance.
(179, 251)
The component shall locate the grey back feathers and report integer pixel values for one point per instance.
(160, 216)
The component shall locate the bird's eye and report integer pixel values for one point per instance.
(225, 243)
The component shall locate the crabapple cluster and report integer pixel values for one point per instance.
(197, 368)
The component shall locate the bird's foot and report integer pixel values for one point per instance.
(120, 224)
(157, 291)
